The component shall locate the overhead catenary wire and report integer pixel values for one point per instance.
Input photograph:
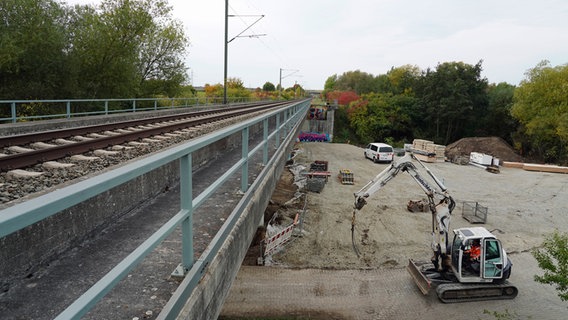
(275, 53)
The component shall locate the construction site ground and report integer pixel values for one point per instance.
(318, 276)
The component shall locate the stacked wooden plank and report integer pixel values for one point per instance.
(428, 151)
(536, 167)
(545, 168)
(420, 144)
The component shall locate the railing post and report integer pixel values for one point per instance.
(285, 126)
(186, 204)
(245, 150)
(134, 105)
(277, 136)
(106, 107)
(155, 105)
(13, 107)
(265, 141)
(68, 109)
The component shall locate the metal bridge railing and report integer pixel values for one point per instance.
(27, 213)
(32, 110)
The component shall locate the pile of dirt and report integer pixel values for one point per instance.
(493, 146)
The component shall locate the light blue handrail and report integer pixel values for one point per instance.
(24, 214)
(15, 110)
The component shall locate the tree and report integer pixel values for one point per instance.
(553, 259)
(215, 90)
(498, 119)
(161, 58)
(541, 107)
(236, 88)
(343, 98)
(33, 44)
(127, 48)
(380, 117)
(403, 78)
(360, 82)
(330, 83)
(453, 97)
(268, 87)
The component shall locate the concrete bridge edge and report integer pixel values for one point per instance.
(207, 299)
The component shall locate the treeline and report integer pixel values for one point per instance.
(117, 49)
(453, 101)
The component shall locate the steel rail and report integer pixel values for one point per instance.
(30, 158)
(28, 138)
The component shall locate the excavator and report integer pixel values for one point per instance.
(457, 271)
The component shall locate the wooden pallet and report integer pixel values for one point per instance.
(345, 176)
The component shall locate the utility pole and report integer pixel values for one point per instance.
(226, 50)
(228, 41)
(293, 71)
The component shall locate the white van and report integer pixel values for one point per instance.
(379, 152)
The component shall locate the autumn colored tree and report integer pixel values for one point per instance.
(215, 90)
(236, 88)
(343, 98)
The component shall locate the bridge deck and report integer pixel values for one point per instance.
(47, 292)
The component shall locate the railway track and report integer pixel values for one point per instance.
(37, 161)
(30, 149)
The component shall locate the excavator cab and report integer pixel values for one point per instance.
(470, 279)
(478, 257)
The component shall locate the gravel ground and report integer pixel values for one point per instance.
(524, 206)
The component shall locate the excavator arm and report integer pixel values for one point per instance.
(441, 210)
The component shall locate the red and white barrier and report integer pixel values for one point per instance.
(277, 240)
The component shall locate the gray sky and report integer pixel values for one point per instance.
(322, 38)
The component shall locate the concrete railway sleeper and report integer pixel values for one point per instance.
(87, 139)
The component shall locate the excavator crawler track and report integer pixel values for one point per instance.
(463, 292)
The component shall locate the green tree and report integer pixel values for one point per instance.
(453, 97)
(236, 88)
(358, 81)
(402, 79)
(498, 120)
(330, 83)
(33, 43)
(127, 48)
(380, 117)
(268, 87)
(541, 107)
(553, 259)
(161, 66)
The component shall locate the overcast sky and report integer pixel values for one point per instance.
(320, 38)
